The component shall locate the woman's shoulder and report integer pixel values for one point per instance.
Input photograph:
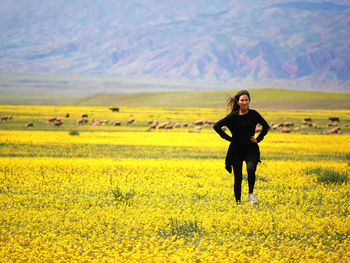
(252, 111)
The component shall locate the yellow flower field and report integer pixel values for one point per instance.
(164, 196)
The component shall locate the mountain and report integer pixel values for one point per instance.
(305, 44)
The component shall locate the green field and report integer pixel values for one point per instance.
(261, 99)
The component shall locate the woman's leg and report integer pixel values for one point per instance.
(237, 171)
(251, 168)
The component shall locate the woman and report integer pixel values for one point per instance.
(242, 122)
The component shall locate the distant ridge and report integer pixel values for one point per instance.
(303, 45)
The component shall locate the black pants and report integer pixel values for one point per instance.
(237, 170)
(251, 156)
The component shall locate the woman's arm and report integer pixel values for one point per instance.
(265, 128)
(218, 128)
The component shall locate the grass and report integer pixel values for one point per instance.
(74, 133)
(267, 98)
(183, 228)
(329, 176)
(120, 197)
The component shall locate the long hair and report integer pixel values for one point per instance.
(232, 102)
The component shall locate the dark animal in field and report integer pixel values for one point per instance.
(332, 125)
(114, 109)
(53, 119)
(84, 116)
(288, 124)
(185, 124)
(334, 119)
(307, 119)
(67, 115)
(116, 123)
(4, 118)
(153, 125)
(82, 121)
(29, 125)
(199, 122)
(58, 122)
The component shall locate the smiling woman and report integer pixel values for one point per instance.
(242, 122)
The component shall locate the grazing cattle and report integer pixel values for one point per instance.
(336, 130)
(30, 125)
(67, 115)
(84, 116)
(4, 118)
(285, 130)
(288, 124)
(316, 126)
(53, 119)
(199, 122)
(116, 123)
(185, 124)
(80, 121)
(203, 122)
(307, 119)
(96, 122)
(274, 127)
(130, 121)
(152, 124)
(334, 119)
(114, 109)
(332, 124)
(162, 125)
(58, 123)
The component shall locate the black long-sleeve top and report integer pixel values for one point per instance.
(242, 127)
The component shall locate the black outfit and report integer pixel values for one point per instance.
(241, 148)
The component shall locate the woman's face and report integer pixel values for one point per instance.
(243, 102)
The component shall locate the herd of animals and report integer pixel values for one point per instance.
(284, 127)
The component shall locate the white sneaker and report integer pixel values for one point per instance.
(251, 199)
